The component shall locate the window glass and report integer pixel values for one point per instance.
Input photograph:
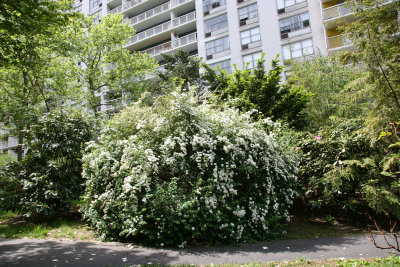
(210, 4)
(248, 12)
(216, 23)
(217, 46)
(94, 4)
(250, 36)
(251, 60)
(294, 23)
(286, 3)
(298, 49)
(224, 65)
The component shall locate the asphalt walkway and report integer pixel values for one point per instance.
(27, 252)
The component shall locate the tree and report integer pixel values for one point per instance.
(181, 68)
(20, 20)
(104, 63)
(328, 80)
(260, 90)
(27, 52)
(375, 37)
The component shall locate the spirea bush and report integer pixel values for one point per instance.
(181, 172)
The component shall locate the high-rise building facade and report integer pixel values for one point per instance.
(226, 32)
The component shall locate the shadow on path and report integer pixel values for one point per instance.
(25, 252)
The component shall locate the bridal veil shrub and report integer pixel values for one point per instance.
(180, 171)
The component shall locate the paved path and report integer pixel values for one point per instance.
(27, 252)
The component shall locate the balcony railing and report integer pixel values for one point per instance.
(173, 3)
(184, 19)
(150, 13)
(162, 27)
(116, 10)
(133, 3)
(185, 40)
(162, 48)
(150, 32)
(335, 11)
(338, 41)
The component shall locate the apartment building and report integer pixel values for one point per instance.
(226, 32)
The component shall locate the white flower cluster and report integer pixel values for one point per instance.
(182, 170)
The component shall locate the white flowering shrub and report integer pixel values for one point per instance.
(181, 171)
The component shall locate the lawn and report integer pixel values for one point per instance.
(67, 226)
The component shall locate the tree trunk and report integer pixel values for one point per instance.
(20, 150)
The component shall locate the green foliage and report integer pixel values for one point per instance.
(180, 171)
(21, 21)
(328, 80)
(390, 261)
(6, 158)
(30, 79)
(341, 168)
(260, 90)
(49, 176)
(182, 68)
(104, 62)
(375, 37)
(336, 163)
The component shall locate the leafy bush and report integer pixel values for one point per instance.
(340, 167)
(49, 176)
(5, 159)
(261, 90)
(180, 171)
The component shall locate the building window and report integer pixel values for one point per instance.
(250, 36)
(294, 23)
(250, 61)
(95, 4)
(248, 12)
(298, 49)
(211, 4)
(224, 65)
(217, 46)
(286, 3)
(217, 23)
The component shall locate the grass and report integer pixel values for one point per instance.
(373, 262)
(71, 227)
(66, 227)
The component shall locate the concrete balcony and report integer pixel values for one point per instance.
(186, 43)
(136, 7)
(114, 3)
(163, 31)
(150, 13)
(335, 12)
(162, 28)
(116, 10)
(338, 43)
(340, 14)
